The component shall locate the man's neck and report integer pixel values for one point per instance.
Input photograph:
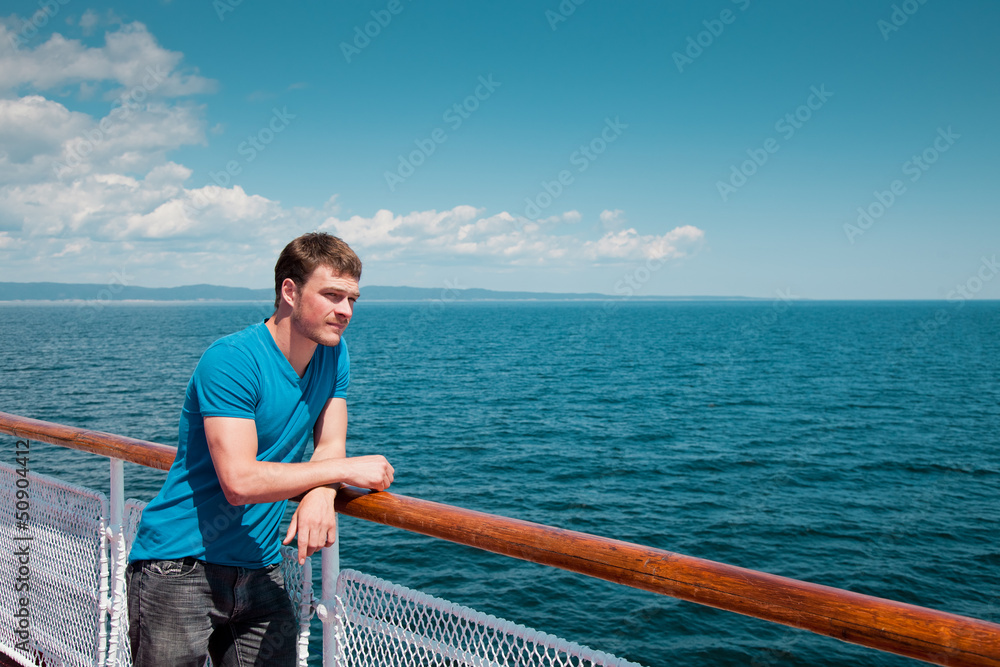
(297, 348)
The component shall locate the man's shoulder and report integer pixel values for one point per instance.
(241, 347)
(244, 339)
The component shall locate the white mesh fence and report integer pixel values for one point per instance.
(298, 584)
(52, 552)
(69, 568)
(387, 625)
(130, 520)
(56, 541)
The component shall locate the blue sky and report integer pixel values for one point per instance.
(704, 148)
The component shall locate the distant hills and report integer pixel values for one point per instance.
(115, 292)
(97, 292)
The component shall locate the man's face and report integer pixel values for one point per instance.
(324, 305)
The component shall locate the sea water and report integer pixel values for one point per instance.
(853, 444)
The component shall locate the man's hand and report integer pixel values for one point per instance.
(367, 472)
(315, 521)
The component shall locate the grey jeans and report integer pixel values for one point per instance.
(182, 611)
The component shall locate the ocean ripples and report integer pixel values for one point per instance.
(812, 445)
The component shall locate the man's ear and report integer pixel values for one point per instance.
(289, 292)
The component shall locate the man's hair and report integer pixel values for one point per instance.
(301, 257)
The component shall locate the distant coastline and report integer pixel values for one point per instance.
(83, 293)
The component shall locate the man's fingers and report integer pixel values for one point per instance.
(304, 546)
(387, 478)
(322, 541)
(291, 528)
(370, 472)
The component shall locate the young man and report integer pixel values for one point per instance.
(204, 575)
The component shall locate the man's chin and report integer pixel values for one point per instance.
(327, 339)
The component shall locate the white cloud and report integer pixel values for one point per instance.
(502, 237)
(112, 206)
(41, 139)
(83, 195)
(629, 244)
(613, 220)
(8, 242)
(39, 135)
(131, 141)
(31, 128)
(568, 216)
(211, 211)
(79, 192)
(130, 58)
(89, 21)
(73, 247)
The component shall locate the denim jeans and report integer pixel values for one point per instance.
(182, 611)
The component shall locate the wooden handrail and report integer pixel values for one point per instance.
(143, 452)
(895, 627)
(917, 632)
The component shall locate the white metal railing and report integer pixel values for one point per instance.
(70, 605)
(366, 621)
(53, 547)
(918, 632)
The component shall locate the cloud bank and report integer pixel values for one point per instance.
(83, 195)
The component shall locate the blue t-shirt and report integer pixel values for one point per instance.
(243, 375)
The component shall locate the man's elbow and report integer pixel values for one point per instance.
(237, 500)
(236, 493)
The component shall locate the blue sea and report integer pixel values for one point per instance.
(853, 444)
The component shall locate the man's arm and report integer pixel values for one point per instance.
(315, 519)
(232, 442)
(330, 432)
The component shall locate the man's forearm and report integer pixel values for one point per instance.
(232, 444)
(266, 482)
(327, 452)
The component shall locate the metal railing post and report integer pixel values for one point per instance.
(327, 609)
(117, 504)
(116, 541)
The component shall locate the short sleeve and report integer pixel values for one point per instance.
(343, 371)
(226, 383)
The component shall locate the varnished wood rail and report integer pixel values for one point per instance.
(143, 452)
(917, 632)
